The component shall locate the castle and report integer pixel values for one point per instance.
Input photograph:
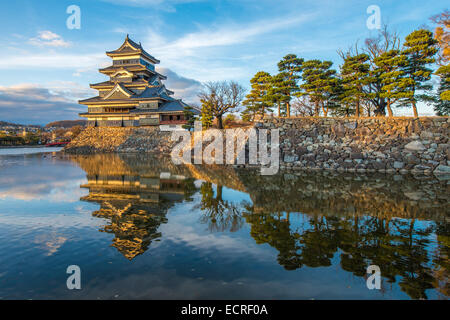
(134, 95)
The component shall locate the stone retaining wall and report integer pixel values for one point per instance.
(108, 139)
(364, 145)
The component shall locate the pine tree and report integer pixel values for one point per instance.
(258, 102)
(342, 107)
(248, 115)
(206, 115)
(290, 68)
(355, 76)
(395, 84)
(189, 115)
(420, 49)
(320, 84)
(374, 47)
(442, 103)
(277, 93)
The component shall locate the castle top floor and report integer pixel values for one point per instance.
(132, 53)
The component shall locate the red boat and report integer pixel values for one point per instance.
(57, 144)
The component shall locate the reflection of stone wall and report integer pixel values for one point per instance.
(325, 192)
(219, 175)
(345, 194)
(366, 144)
(102, 164)
(154, 165)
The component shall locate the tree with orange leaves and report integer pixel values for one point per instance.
(442, 35)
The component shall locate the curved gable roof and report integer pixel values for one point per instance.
(130, 47)
(176, 105)
(119, 88)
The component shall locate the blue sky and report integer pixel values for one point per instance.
(45, 67)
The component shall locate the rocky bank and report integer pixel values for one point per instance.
(417, 145)
(115, 139)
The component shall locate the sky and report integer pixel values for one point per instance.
(45, 67)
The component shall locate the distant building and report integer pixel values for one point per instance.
(134, 95)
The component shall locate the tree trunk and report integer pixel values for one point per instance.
(288, 110)
(317, 109)
(219, 122)
(279, 110)
(380, 109)
(357, 108)
(389, 109)
(416, 115)
(219, 192)
(325, 110)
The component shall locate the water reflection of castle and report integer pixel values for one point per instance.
(135, 206)
(310, 219)
(135, 192)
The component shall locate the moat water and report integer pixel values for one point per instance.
(142, 228)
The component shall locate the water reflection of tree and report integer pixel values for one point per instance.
(275, 230)
(399, 247)
(189, 189)
(220, 215)
(441, 259)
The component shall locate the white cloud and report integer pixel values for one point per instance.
(120, 30)
(39, 104)
(166, 5)
(184, 88)
(49, 39)
(48, 35)
(50, 242)
(52, 192)
(56, 91)
(54, 61)
(214, 53)
(225, 35)
(137, 2)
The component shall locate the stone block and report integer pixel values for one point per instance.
(415, 146)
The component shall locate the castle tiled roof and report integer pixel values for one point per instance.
(175, 105)
(131, 68)
(149, 93)
(109, 83)
(124, 48)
